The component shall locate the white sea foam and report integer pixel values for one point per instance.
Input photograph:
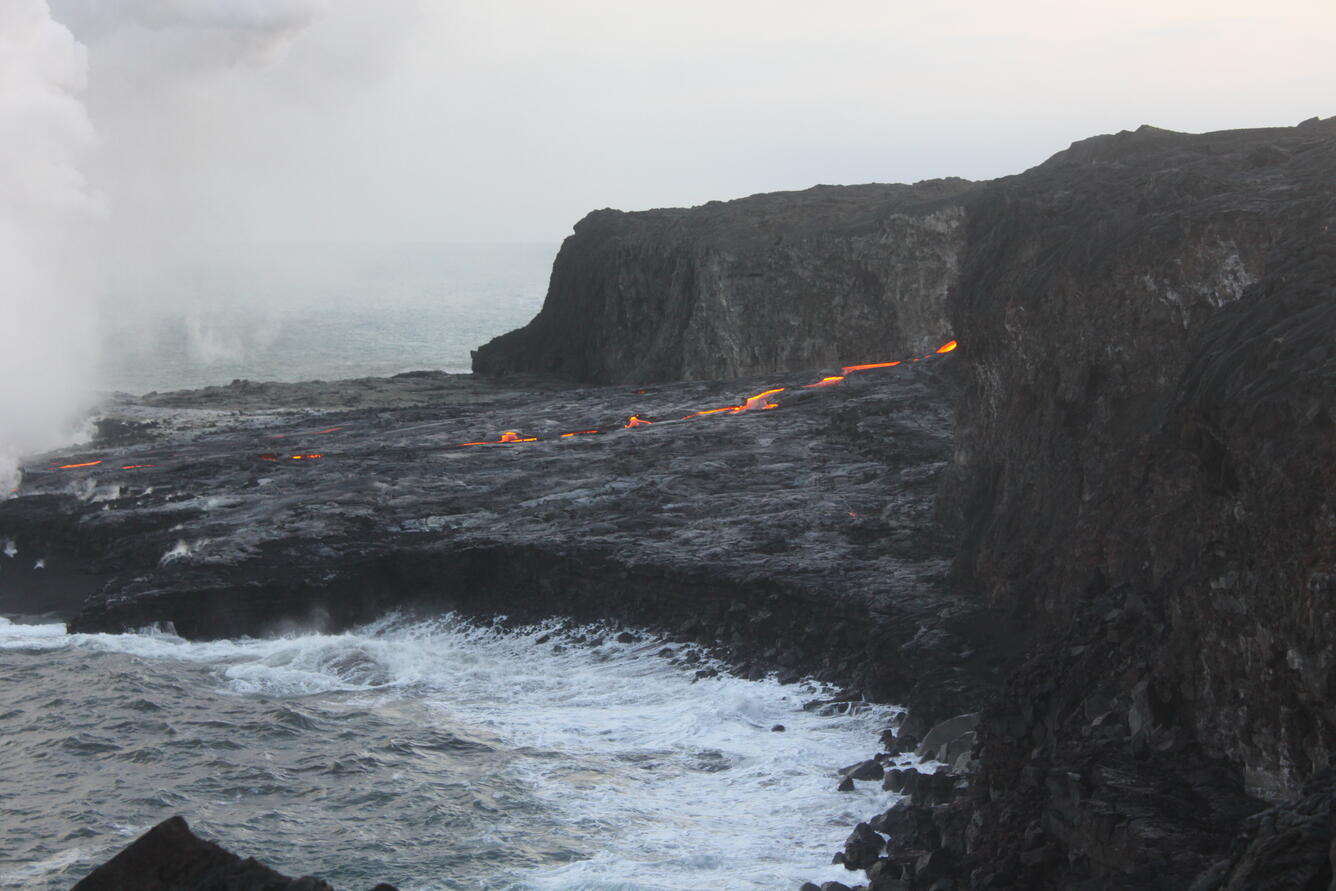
(683, 781)
(29, 874)
(15, 636)
(181, 550)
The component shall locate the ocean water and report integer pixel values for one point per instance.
(307, 312)
(431, 754)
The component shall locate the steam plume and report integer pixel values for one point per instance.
(46, 211)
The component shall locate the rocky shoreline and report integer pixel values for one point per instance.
(225, 535)
(1141, 476)
(1100, 533)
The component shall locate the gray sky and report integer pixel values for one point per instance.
(136, 133)
(481, 121)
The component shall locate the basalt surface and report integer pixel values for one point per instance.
(833, 274)
(169, 857)
(1141, 474)
(1145, 459)
(799, 538)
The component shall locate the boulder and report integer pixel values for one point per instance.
(864, 770)
(936, 740)
(862, 847)
(169, 857)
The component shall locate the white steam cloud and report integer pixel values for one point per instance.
(235, 30)
(46, 211)
(88, 199)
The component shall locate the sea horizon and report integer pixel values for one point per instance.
(319, 310)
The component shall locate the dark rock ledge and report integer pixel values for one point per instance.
(770, 535)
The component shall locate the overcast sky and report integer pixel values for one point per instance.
(441, 120)
(136, 135)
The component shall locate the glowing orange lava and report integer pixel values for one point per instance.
(762, 400)
(850, 369)
(507, 437)
(753, 403)
(759, 402)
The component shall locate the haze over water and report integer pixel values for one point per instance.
(306, 312)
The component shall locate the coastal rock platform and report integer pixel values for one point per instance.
(772, 532)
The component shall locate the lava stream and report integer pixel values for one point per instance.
(759, 402)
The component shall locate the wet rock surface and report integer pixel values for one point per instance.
(771, 534)
(169, 857)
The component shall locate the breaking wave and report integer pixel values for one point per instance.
(431, 754)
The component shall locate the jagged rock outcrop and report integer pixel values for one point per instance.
(169, 857)
(1145, 456)
(1143, 467)
(828, 276)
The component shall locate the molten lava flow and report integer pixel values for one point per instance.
(762, 400)
(759, 402)
(507, 437)
(753, 403)
(850, 369)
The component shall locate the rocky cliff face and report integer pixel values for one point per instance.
(1141, 472)
(1144, 458)
(827, 276)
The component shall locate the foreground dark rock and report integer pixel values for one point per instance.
(169, 857)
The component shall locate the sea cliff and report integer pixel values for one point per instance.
(1102, 527)
(1142, 468)
(769, 283)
